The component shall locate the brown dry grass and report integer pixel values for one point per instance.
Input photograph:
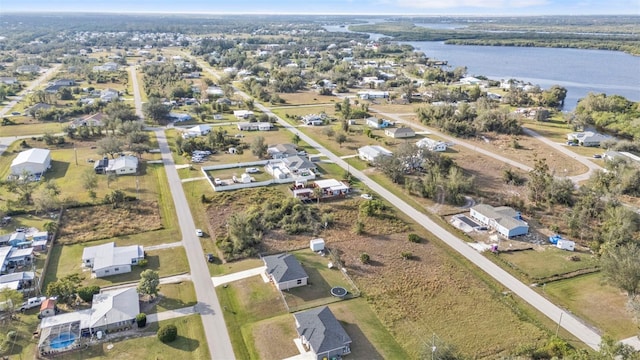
(307, 97)
(103, 221)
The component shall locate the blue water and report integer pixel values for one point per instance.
(62, 341)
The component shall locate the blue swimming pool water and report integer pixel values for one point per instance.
(62, 341)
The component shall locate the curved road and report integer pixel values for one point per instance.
(566, 320)
(208, 306)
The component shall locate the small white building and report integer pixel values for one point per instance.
(369, 95)
(316, 244)
(371, 153)
(400, 133)
(432, 145)
(123, 165)
(255, 126)
(198, 130)
(566, 245)
(32, 161)
(242, 114)
(107, 259)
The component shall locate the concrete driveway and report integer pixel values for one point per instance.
(225, 279)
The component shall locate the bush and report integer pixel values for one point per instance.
(12, 335)
(414, 238)
(86, 293)
(143, 262)
(365, 258)
(167, 333)
(141, 320)
(406, 255)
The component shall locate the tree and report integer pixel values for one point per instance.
(620, 266)
(115, 198)
(50, 227)
(65, 288)
(155, 110)
(65, 94)
(86, 293)
(259, 147)
(539, 181)
(296, 139)
(10, 300)
(365, 258)
(110, 145)
(345, 108)
(329, 132)
(149, 281)
(341, 138)
(90, 182)
(46, 198)
(23, 186)
(167, 333)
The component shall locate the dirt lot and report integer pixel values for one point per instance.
(432, 292)
(103, 221)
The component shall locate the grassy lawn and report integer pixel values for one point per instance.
(176, 296)
(28, 221)
(25, 345)
(33, 127)
(190, 344)
(307, 97)
(245, 302)
(66, 260)
(551, 261)
(321, 280)
(235, 266)
(599, 304)
(273, 337)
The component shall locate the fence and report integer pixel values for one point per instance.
(46, 261)
(237, 186)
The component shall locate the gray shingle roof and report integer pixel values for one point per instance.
(321, 329)
(284, 267)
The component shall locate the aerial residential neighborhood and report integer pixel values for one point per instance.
(317, 187)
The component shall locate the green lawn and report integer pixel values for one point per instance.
(190, 344)
(66, 260)
(599, 304)
(25, 345)
(539, 265)
(176, 296)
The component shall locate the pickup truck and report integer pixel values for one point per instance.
(32, 302)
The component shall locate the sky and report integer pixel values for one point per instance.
(383, 7)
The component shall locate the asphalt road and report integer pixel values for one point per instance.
(208, 306)
(566, 320)
(35, 83)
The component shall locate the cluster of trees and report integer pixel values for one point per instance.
(614, 114)
(164, 80)
(466, 121)
(245, 230)
(544, 188)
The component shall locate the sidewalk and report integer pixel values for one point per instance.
(194, 179)
(225, 279)
(164, 246)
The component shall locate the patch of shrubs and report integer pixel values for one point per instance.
(414, 238)
(167, 333)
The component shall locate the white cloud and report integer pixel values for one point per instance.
(489, 4)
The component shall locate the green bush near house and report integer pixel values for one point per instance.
(167, 333)
(141, 320)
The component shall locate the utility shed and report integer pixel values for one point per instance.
(316, 244)
(32, 161)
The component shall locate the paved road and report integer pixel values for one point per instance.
(35, 83)
(215, 329)
(567, 321)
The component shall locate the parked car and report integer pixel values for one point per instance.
(210, 258)
(366, 196)
(199, 233)
(15, 113)
(32, 302)
(597, 156)
(217, 181)
(252, 170)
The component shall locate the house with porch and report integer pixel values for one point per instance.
(588, 138)
(321, 334)
(285, 271)
(107, 259)
(431, 145)
(371, 153)
(122, 165)
(504, 220)
(281, 151)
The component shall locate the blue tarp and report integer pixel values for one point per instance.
(554, 239)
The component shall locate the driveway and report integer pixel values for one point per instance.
(225, 279)
(170, 314)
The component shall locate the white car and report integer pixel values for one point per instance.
(32, 302)
(199, 233)
(252, 170)
(366, 196)
(217, 181)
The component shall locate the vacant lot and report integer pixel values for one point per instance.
(599, 304)
(546, 261)
(306, 97)
(103, 221)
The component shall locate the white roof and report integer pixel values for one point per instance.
(374, 150)
(4, 253)
(332, 184)
(123, 162)
(20, 253)
(107, 255)
(35, 155)
(242, 112)
(200, 128)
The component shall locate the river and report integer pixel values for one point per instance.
(579, 71)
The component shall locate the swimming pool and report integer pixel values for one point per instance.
(62, 341)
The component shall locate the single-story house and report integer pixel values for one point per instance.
(374, 122)
(107, 259)
(314, 119)
(8, 80)
(179, 117)
(40, 235)
(252, 126)
(35, 108)
(332, 187)
(620, 155)
(89, 120)
(39, 245)
(299, 165)
(282, 151)
(215, 91)
(432, 145)
(285, 271)
(123, 165)
(371, 153)
(368, 95)
(110, 311)
(588, 138)
(28, 69)
(19, 257)
(109, 66)
(109, 95)
(400, 133)
(101, 165)
(242, 114)
(503, 219)
(4, 254)
(198, 130)
(32, 161)
(48, 308)
(17, 280)
(321, 333)
(12, 239)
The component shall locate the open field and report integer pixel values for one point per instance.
(25, 345)
(25, 127)
(307, 97)
(597, 303)
(273, 337)
(546, 262)
(175, 296)
(282, 111)
(190, 344)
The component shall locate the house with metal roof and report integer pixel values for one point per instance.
(371, 153)
(32, 161)
(107, 259)
(122, 165)
(280, 151)
(503, 219)
(321, 334)
(400, 132)
(285, 271)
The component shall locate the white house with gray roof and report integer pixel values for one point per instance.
(321, 334)
(503, 219)
(285, 271)
(107, 259)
